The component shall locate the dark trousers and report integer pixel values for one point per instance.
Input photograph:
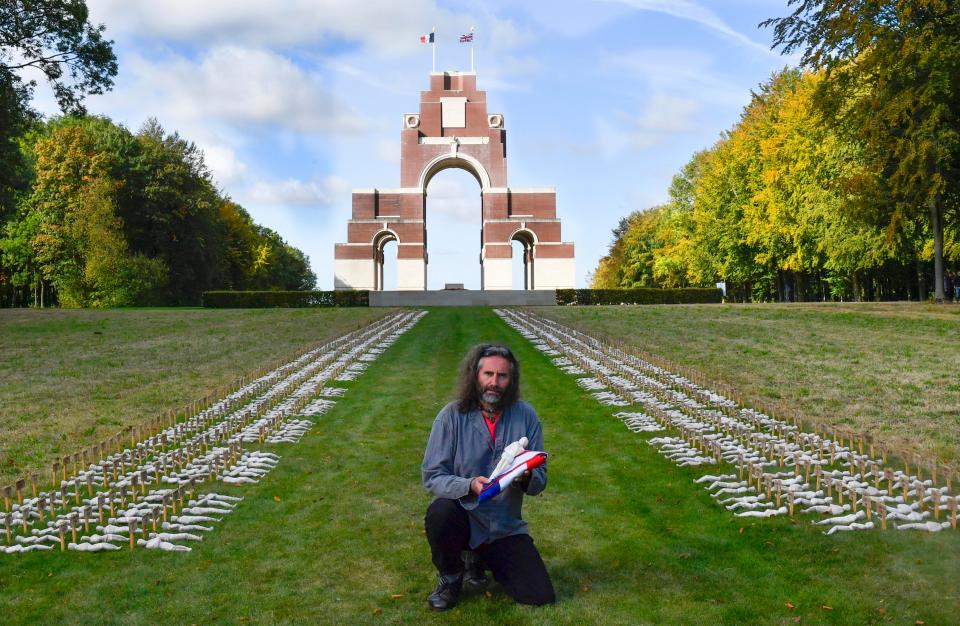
(514, 560)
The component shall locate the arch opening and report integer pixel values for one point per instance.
(523, 243)
(452, 220)
(382, 256)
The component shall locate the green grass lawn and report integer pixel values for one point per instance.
(334, 534)
(71, 378)
(890, 370)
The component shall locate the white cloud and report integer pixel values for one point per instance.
(292, 193)
(454, 196)
(386, 26)
(226, 166)
(239, 86)
(686, 10)
(668, 114)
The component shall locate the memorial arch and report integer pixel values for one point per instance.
(454, 130)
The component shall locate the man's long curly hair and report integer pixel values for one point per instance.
(468, 394)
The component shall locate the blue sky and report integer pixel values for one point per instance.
(297, 102)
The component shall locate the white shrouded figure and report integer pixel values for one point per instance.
(176, 537)
(766, 513)
(851, 526)
(931, 527)
(158, 544)
(93, 547)
(182, 527)
(509, 454)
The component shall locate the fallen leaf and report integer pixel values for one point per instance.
(397, 596)
(826, 608)
(796, 620)
(377, 611)
(790, 605)
(488, 594)
(685, 555)
(882, 609)
(742, 529)
(276, 498)
(919, 622)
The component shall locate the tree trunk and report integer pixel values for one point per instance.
(921, 281)
(856, 287)
(936, 224)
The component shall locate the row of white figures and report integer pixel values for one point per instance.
(156, 460)
(674, 389)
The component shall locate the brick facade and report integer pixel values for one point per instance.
(452, 129)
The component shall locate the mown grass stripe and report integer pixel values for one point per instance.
(627, 537)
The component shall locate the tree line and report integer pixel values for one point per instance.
(839, 180)
(94, 215)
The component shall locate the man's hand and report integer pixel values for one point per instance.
(477, 484)
(522, 480)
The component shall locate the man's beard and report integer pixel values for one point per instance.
(491, 396)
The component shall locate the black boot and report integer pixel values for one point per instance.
(447, 593)
(474, 575)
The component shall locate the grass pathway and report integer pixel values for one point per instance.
(334, 533)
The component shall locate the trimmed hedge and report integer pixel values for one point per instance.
(283, 299)
(639, 296)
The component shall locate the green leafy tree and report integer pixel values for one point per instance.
(893, 79)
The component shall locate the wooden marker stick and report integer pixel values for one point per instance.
(132, 531)
(63, 542)
(100, 508)
(55, 473)
(790, 502)
(19, 485)
(936, 504)
(33, 484)
(89, 484)
(86, 519)
(7, 520)
(143, 525)
(953, 512)
(7, 495)
(888, 474)
(883, 515)
(867, 502)
(73, 527)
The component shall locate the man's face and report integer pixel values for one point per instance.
(493, 378)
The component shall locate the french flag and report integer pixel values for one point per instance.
(525, 461)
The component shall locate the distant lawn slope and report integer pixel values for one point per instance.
(334, 534)
(70, 378)
(891, 370)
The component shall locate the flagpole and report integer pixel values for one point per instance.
(433, 48)
(472, 70)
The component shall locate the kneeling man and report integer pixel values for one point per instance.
(466, 442)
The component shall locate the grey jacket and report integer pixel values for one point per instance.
(460, 449)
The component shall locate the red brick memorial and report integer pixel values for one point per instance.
(454, 129)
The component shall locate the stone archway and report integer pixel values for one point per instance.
(380, 241)
(529, 241)
(453, 129)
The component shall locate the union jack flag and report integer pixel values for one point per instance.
(466, 38)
